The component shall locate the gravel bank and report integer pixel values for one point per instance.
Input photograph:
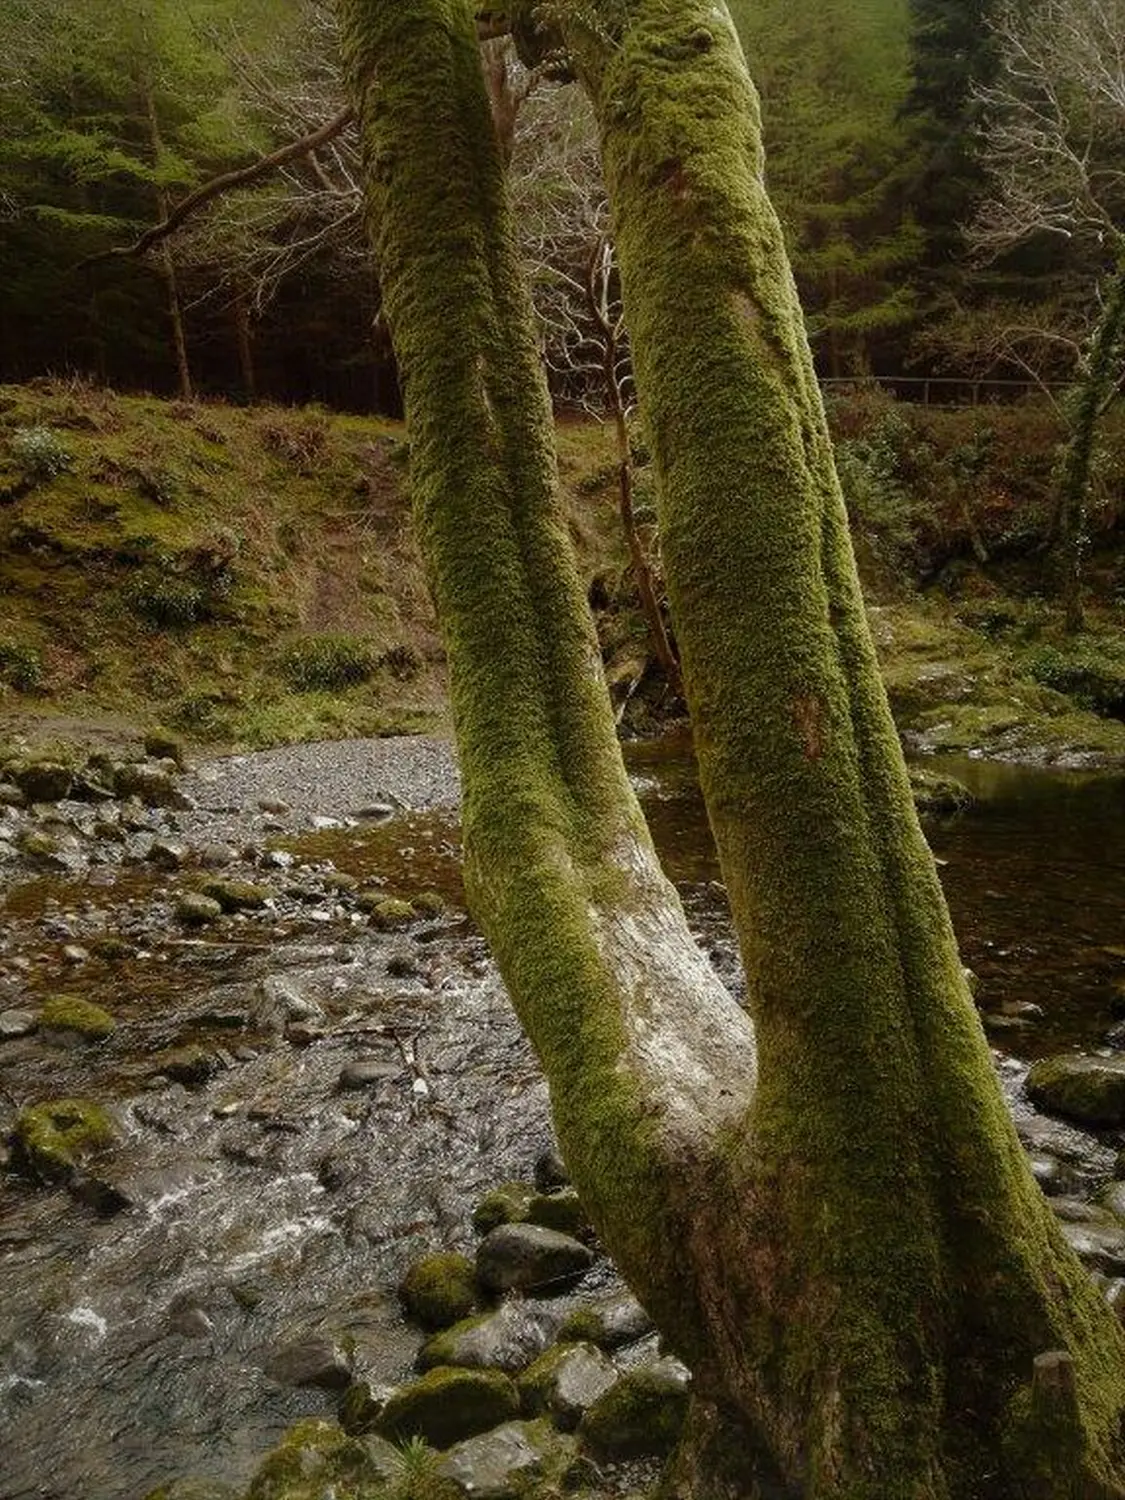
(328, 779)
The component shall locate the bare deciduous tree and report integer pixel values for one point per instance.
(1054, 145)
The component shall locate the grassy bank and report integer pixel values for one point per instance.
(249, 576)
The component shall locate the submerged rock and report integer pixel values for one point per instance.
(194, 909)
(313, 1361)
(50, 1139)
(446, 1405)
(70, 1018)
(1090, 1090)
(526, 1257)
(15, 1024)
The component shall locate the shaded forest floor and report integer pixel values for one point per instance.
(249, 577)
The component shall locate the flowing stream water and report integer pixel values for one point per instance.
(267, 1206)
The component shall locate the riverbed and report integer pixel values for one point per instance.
(270, 1201)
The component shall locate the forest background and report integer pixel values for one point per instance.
(879, 162)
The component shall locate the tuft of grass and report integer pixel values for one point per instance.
(322, 662)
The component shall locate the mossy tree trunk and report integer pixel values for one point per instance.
(1099, 380)
(850, 1251)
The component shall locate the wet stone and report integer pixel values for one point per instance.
(448, 1405)
(1099, 1245)
(216, 856)
(191, 1066)
(313, 1361)
(610, 1323)
(16, 1023)
(526, 1257)
(365, 1073)
(168, 854)
(504, 1463)
(11, 796)
(565, 1382)
(509, 1339)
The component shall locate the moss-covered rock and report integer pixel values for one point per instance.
(190, 1488)
(561, 1211)
(935, 793)
(520, 1459)
(1090, 1090)
(610, 1323)
(439, 1290)
(386, 912)
(642, 1414)
(507, 1339)
(152, 785)
(360, 1408)
(526, 1257)
(565, 1383)
(194, 909)
(50, 1139)
(70, 1016)
(448, 1404)
(315, 1459)
(429, 904)
(191, 1066)
(506, 1204)
(160, 744)
(236, 895)
(42, 780)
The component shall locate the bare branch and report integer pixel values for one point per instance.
(225, 183)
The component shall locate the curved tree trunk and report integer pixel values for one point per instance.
(853, 1256)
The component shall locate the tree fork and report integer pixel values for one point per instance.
(853, 1256)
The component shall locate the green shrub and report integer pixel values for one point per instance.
(21, 666)
(39, 452)
(1093, 680)
(165, 599)
(328, 661)
(879, 503)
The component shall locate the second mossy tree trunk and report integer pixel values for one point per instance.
(848, 1248)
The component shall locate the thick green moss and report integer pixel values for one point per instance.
(49, 1139)
(439, 1290)
(508, 1203)
(70, 1013)
(314, 1459)
(643, 1414)
(448, 1404)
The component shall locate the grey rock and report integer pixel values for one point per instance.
(366, 1072)
(1099, 1245)
(641, 1414)
(275, 805)
(509, 1339)
(215, 856)
(74, 953)
(42, 780)
(501, 1464)
(11, 796)
(195, 910)
(610, 1323)
(168, 854)
(279, 1000)
(314, 1361)
(565, 1382)
(526, 1257)
(16, 1023)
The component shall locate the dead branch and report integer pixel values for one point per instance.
(225, 183)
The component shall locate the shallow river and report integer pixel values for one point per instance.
(268, 1205)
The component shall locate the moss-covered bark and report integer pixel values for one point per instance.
(855, 1259)
(1100, 377)
(648, 1057)
(905, 1268)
